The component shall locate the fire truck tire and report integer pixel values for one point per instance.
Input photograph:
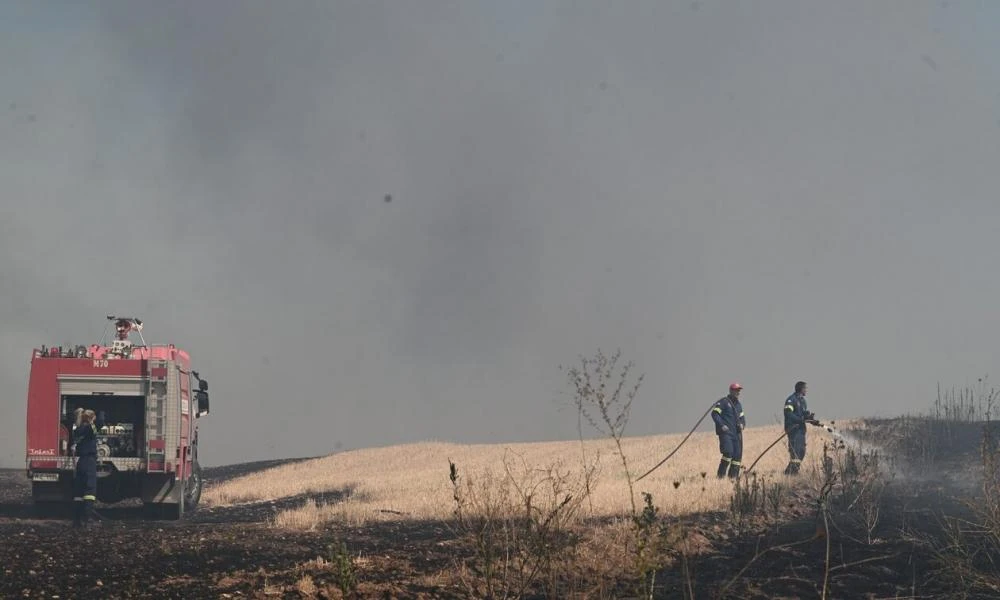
(110, 491)
(192, 491)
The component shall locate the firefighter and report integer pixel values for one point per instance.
(797, 415)
(85, 477)
(729, 425)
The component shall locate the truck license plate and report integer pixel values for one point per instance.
(45, 477)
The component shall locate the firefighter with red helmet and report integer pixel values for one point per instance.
(727, 412)
(85, 477)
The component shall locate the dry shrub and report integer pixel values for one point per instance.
(312, 515)
(756, 497)
(306, 517)
(968, 553)
(521, 525)
(305, 587)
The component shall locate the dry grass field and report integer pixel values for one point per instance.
(412, 481)
(906, 509)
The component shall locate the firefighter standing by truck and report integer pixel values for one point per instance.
(797, 415)
(85, 477)
(729, 425)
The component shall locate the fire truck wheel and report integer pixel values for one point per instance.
(192, 492)
(109, 490)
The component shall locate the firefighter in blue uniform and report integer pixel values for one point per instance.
(85, 477)
(797, 415)
(729, 425)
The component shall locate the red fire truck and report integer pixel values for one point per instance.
(147, 401)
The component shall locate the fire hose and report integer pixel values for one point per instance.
(812, 422)
(678, 445)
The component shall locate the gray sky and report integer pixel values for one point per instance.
(763, 192)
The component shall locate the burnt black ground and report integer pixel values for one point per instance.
(900, 561)
(235, 553)
(897, 563)
(212, 553)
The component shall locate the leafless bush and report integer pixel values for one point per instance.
(520, 523)
(754, 496)
(823, 519)
(859, 484)
(869, 486)
(603, 397)
(968, 555)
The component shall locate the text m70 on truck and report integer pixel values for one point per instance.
(147, 401)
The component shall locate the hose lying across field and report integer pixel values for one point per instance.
(752, 465)
(680, 444)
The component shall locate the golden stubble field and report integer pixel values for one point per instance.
(412, 481)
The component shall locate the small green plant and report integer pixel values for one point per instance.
(646, 550)
(344, 575)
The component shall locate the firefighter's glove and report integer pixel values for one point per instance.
(813, 422)
(810, 416)
(725, 428)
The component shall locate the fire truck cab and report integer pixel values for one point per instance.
(148, 402)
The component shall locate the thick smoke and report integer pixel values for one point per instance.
(764, 193)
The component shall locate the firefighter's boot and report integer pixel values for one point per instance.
(723, 467)
(734, 470)
(793, 467)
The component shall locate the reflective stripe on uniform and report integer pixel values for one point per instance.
(737, 463)
(796, 461)
(78, 499)
(89, 497)
(717, 409)
(789, 407)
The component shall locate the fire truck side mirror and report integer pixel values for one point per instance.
(202, 397)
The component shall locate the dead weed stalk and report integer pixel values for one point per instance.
(967, 554)
(603, 397)
(520, 522)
